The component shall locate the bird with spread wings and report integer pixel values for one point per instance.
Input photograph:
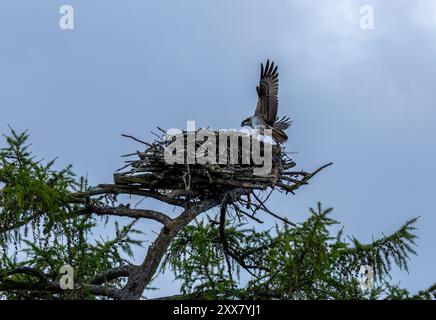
(265, 115)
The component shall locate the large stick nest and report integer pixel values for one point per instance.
(148, 169)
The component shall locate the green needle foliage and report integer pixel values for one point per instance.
(41, 229)
(292, 261)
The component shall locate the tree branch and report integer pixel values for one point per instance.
(131, 213)
(114, 273)
(103, 189)
(47, 285)
(141, 277)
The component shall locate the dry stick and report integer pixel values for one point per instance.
(156, 135)
(266, 199)
(136, 139)
(251, 216)
(222, 234)
(223, 238)
(130, 154)
(265, 209)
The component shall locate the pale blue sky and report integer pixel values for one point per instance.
(362, 99)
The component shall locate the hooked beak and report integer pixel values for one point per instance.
(246, 122)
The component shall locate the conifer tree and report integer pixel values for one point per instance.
(50, 218)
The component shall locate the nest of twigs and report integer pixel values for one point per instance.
(148, 169)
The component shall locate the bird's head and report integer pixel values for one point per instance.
(246, 122)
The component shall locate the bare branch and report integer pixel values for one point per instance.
(141, 277)
(131, 213)
(45, 284)
(114, 273)
(104, 189)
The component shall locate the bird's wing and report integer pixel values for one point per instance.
(282, 123)
(268, 90)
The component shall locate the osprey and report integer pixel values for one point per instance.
(265, 116)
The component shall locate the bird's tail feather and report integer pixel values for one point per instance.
(279, 136)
